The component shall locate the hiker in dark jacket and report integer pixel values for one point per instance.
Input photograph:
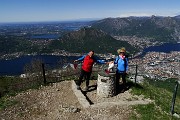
(88, 61)
(122, 67)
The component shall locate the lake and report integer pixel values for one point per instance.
(16, 66)
(45, 36)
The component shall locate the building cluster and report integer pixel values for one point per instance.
(137, 42)
(159, 65)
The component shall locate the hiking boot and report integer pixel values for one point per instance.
(78, 87)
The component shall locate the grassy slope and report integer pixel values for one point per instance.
(10, 86)
(161, 92)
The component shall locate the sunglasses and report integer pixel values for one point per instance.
(122, 52)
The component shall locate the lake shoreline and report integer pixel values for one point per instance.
(15, 66)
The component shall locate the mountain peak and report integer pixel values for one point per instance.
(87, 39)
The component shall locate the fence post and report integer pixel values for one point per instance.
(136, 74)
(44, 76)
(174, 97)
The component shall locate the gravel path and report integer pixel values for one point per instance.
(58, 102)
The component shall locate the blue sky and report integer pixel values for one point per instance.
(61, 10)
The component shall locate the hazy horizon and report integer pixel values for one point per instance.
(76, 20)
(70, 10)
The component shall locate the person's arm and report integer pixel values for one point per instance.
(126, 64)
(116, 60)
(99, 61)
(80, 59)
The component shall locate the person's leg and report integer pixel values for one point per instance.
(80, 78)
(88, 75)
(117, 79)
(124, 80)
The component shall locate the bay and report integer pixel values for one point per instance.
(167, 48)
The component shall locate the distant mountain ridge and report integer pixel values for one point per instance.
(165, 29)
(99, 36)
(178, 16)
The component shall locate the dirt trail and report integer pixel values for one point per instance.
(58, 102)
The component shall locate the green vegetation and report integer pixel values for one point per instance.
(90, 39)
(79, 41)
(13, 85)
(161, 92)
(10, 86)
(7, 87)
(12, 44)
(6, 102)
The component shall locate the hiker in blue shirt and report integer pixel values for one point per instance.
(122, 67)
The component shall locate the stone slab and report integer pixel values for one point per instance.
(80, 96)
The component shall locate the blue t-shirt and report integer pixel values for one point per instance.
(122, 64)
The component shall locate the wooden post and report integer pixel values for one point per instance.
(174, 98)
(136, 74)
(44, 76)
